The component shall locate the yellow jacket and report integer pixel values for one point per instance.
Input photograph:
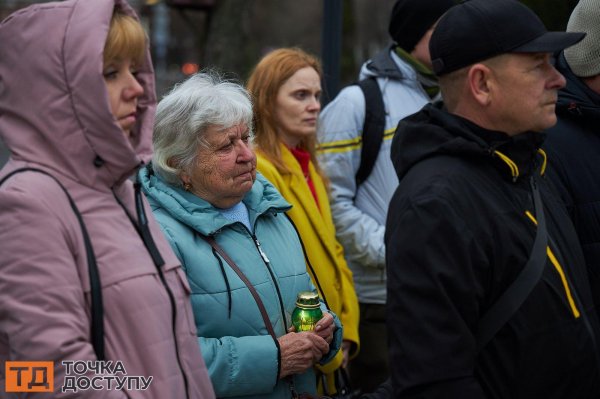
(325, 253)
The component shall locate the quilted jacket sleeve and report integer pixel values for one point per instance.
(241, 365)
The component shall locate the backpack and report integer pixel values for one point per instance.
(382, 66)
(373, 128)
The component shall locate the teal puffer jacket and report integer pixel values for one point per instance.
(241, 356)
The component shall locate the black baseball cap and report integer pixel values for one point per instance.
(476, 30)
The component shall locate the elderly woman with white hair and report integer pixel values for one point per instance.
(243, 257)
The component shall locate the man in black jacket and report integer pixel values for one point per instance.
(573, 145)
(462, 225)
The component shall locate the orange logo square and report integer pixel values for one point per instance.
(29, 376)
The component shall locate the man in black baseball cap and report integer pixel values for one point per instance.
(488, 293)
(477, 30)
(498, 39)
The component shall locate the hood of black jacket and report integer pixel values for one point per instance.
(433, 131)
(383, 65)
(576, 99)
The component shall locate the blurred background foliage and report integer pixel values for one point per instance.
(232, 35)
(239, 32)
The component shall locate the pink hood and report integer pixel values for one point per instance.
(54, 108)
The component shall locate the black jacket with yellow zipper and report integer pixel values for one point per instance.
(460, 228)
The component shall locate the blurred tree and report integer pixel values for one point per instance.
(229, 44)
(240, 32)
(243, 31)
(554, 13)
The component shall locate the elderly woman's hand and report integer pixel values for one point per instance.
(325, 327)
(300, 351)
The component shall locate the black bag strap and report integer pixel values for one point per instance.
(373, 128)
(514, 296)
(97, 310)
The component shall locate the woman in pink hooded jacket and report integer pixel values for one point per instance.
(77, 105)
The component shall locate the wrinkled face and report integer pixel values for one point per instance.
(297, 106)
(225, 169)
(526, 93)
(123, 92)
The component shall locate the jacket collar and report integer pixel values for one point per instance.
(519, 153)
(434, 131)
(199, 214)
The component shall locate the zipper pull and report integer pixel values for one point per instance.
(260, 250)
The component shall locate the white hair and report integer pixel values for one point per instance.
(184, 115)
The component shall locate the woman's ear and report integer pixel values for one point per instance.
(185, 178)
(182, 175)
(480, 83)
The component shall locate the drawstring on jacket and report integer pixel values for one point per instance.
(514, 169)
(144, 231)
(544, 162)
(141, 226)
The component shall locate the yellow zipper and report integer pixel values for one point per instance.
(561, 273)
